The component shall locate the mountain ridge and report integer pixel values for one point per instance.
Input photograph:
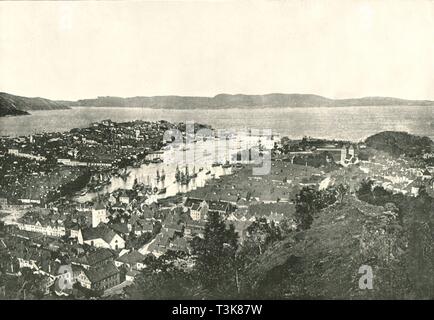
(223, 100)
(16, 105)
(11, 105)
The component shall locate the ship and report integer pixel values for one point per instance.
(177, 174)
(185, 177)
(194, 175)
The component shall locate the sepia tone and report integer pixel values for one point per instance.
(216, 150)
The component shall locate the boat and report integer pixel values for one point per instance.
(208, 172)
(200, 169)
(83, 192)
(163, 175)
(216, 164)
(136, 165)
(226, 165)
(125, 175)
(99, 187)
(156, 160)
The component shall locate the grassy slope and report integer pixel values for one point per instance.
(323, 262)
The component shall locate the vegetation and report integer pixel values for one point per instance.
(400, 143)
(216, 264)
(309, 202)
(16, 105)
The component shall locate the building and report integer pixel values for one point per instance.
(348, 155)
(132, 260)
(124, 197)
(101, 237)
(99, 214)
(101, 278)
(199, 208)
(198, 211)
(17, 153)
(3, 202)
(426, 175)
(94, 258)
(45, 225)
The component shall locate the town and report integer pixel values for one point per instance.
(102, 245)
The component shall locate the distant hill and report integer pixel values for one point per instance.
(10, 103)
(274, 100)
(16, 105)
(7, 108)
(400, 143)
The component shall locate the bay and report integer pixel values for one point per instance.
(352, 123)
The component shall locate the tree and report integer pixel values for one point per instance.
(304, 208)
(341, 192)
(261, 234)
(420, 251)
(163, 279)
(216, 265)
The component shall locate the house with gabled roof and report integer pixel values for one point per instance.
(426, 175)
(100, 278)
(93, 258)
(101, 237)
(132, 260)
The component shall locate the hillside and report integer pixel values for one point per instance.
(7, 108)
(16, 105)
(323, 261)
(275, 100)
(400, 143)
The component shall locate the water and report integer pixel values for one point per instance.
(198, 157)
(353, 123)
(350, 123)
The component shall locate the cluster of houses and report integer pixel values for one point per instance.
(398, 176)
(99, 244)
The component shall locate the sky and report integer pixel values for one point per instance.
(338, 49)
